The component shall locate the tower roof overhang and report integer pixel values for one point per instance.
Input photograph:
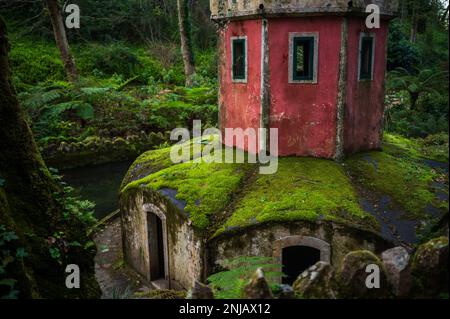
(250, 9)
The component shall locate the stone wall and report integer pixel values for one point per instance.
(183, 247)
(189, 257)
(334, 242)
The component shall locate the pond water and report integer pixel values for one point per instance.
(99, 184)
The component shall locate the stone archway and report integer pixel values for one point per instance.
(302, 250)
(157, 245)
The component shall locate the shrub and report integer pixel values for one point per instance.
(108, 60)
(32, 63)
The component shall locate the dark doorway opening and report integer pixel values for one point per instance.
(296, 259)
(156, 247)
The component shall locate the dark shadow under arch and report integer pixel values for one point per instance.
(297, 259)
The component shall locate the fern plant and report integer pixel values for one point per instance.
(416, 83)
(228, 284)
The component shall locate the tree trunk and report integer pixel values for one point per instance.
(414, 26)
(444, 15)
(414, 96)
(31, 205)
(402, 10)
(186, 40)
(59, 31)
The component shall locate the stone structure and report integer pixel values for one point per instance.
(306, 68)
(180, 254)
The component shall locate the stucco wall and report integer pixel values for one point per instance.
(184, 248)
(305, 114)
(365, 99)
(240, 102)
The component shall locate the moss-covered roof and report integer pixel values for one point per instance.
(302, 189)
(224, 197)
(402, 172)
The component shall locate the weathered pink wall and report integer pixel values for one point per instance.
(240, 102)
(365, 99)
(305, 114)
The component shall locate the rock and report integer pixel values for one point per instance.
(430, 268)
(286, 292)
(257, 288)
(201, 291)
(352, 277)
(316, 282)
(398, 270)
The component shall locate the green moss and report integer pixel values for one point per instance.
(434, 147)
(302, 189)
(148, 162)
(401, 146)
(430, 269)
(155, 160)
(404, 179)
(206, 188)
(351, 277)
(161, 294)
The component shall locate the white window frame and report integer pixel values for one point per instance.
(361, 36)
(292, 36)
(242, 37)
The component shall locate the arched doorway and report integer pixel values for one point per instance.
(297, 253)
(295, 260)
(157, 247)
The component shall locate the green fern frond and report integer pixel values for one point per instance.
(39, 99)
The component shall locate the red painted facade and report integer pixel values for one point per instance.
(365, 99)
(240, 102)
(306, 114)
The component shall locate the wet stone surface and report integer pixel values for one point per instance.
(394, 226)
(171, 194)
(116, 280)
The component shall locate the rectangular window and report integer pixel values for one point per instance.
(239, 59)
(366, 57)
(303, 57)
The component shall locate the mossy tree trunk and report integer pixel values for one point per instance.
(31, 205)
(61, 40)
(184, 24)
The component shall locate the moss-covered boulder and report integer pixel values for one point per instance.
(430, 269)
(352, 277)
(316, 283)
(257, 288)
(398, 269)
(201, 291)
